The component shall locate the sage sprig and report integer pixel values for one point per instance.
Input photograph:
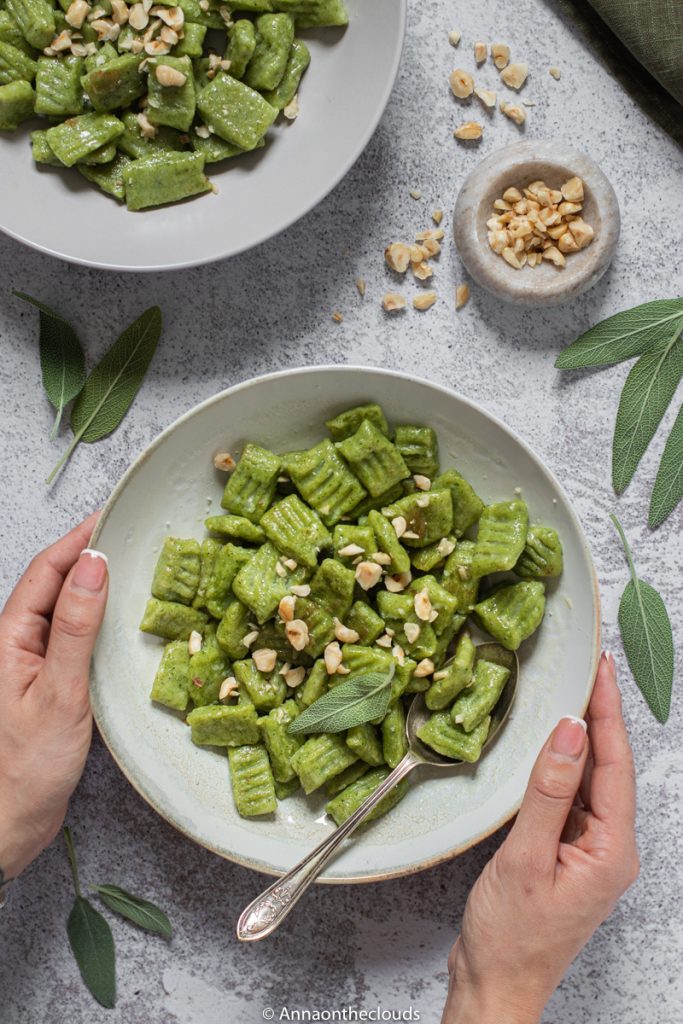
(89, 933)
(352, 703)
(668, 488)
(110, 389)
(647, 637)
(141, 912)
(653, 331)
(62, 361)
(91, 939)
(624, 335)
(648, 390)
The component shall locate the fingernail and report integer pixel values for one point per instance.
(91, 571)
(569, 737)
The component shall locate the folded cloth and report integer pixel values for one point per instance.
(641, 43)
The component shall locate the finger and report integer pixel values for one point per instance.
(38, 589)
(76, 621)
(612, 785)
(550, 794)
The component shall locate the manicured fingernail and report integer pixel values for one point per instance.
(91, 571)
(569, 737)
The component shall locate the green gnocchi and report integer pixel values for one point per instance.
(351, 557)
(139, 99)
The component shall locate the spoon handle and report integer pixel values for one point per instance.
(267, 911)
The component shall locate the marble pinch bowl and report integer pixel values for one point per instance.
(517, 165)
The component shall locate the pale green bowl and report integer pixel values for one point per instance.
(167, 491)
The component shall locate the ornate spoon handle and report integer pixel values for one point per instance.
(267, 911)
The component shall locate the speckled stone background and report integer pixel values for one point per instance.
(386, 943)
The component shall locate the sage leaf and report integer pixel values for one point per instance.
(92, 944)
(111, 387)
(668, 488)
(90, 938)
(141, 912)
(648, 390)
(352, 703)
(647, 638)
(624, 335)
(62, 361)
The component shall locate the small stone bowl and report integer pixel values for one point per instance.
(517, 165)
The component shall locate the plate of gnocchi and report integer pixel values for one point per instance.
(162, 137)
(346, 552)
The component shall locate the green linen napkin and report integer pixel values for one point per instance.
(641, 42)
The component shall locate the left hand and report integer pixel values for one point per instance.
(47, 634)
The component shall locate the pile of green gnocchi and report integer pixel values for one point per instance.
(143, 95)
(356, 556)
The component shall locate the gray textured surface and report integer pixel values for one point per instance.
(387, 943)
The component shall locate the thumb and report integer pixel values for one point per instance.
(552, 788)
(75, 624)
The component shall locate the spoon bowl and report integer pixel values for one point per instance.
(267, 911)
(418, 712)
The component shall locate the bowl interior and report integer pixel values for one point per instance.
(554, 174)
(170, 490)
(257, 195)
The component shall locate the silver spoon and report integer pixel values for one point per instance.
(268, 911)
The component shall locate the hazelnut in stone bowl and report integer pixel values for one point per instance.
(537, 223)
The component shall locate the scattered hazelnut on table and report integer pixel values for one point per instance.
(469, 131)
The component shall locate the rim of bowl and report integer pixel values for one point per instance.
(137, 465)
(265, 236)
(490, 271)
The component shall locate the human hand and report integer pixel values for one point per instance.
(47, 633)
(566, 861)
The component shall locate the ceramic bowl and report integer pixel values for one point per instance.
(170, 489)
(517, 165)
(258, 195)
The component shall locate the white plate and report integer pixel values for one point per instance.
(342, 98)
(166, 491)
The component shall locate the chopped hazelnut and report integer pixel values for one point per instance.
(368, 574)
(296, 632)
(461, 83)
(424, 301)
(392, 302)
(500, 54)
(265, 659)
(469, 131)
(462, 294)
(332, 656)
(397, 256)
(487, 96)
(344, 634)
(515, 75)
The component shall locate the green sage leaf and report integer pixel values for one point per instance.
(647, 637)
(111, 387)
(624, 335)
(668, 488)
(648, 390)
(141, 912)
(62, 361)
(92, 944)
(352, 703)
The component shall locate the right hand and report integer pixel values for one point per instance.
(566, 861)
